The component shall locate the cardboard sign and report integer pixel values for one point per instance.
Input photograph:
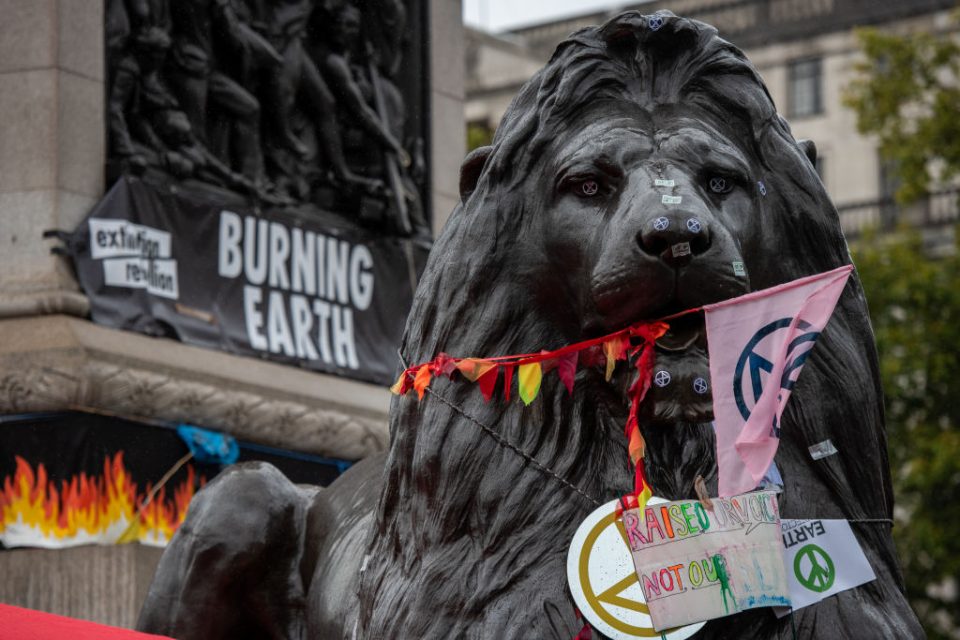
(822, 558)
(697, 564)
(604, 584)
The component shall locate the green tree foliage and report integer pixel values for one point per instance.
(478, 136)
(915, 310)
(906, 93)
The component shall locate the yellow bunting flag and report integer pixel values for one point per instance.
(397, 388)
(422, 380)
(614, 350)
(643, 496)
(529, 376)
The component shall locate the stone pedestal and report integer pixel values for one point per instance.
(52, 151)
(52, 144)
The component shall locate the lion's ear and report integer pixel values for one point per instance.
(471, 169)
(810, 149)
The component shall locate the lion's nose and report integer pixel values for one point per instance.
(675, 239)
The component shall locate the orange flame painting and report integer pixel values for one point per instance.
(88, 509)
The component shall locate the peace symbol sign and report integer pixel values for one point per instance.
(814, 568)
(694, 225)
(661, 223)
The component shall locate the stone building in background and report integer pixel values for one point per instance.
(93, 91)
(804, 49)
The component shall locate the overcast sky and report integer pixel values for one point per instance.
(498, 15)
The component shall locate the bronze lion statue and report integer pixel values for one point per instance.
(461, 530)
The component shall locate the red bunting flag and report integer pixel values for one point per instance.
(443, 365)
(487, 382)
(567, 370)
(507, 382)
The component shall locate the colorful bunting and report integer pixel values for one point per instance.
(507, 382)
(488, 381)
(443, 365)
(615, 349)
(421, 381)
(642, 489)
(605, 351)
(567, 370)
(474, 368)
(636, 446)
(529, 380)
(400, 387)
(633, 342)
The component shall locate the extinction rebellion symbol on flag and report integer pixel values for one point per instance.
(758, 345)
(751, 365)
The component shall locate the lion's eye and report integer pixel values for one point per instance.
(586, 185)
(588, 188)
(719, 184)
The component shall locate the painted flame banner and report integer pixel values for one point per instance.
(89, 509)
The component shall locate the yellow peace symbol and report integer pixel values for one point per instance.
(611, 595)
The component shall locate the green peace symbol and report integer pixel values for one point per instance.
(822, 572)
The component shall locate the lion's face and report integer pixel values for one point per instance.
(649, 211)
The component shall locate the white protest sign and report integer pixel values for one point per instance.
(158, 277)
(822, 558)
(604, 584)
(113, 238)
(697, 564)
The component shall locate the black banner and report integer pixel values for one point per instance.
(308, 290)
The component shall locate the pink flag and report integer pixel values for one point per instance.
(758, 344)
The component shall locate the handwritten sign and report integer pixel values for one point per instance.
(697, 564)
(603, 583)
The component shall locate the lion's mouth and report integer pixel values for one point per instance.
(681, 375)
(680, 386)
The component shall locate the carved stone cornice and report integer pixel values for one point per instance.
(56, 362)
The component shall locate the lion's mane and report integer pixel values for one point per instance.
(470, 537)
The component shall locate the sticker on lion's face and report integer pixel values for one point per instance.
(656, 232)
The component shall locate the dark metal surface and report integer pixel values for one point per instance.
(556, 240)
(287, 103)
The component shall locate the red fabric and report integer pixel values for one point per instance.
(507, 382)
(567, 370)
(487, 382)
(443, 365)
(25, 624)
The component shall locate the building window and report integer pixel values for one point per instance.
(805, 88)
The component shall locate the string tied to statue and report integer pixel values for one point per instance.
(634, 343)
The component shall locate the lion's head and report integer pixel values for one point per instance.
(631, 178)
